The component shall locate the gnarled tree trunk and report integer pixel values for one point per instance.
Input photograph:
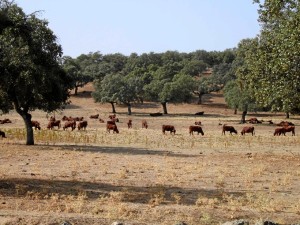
(129, 108)
(113, 107)
(243, 120)
(164, 105)
(29, 131)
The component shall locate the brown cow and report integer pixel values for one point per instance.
(79, 118)
(2, 134)
(94, 116)
(144, 124)
(5, 121)
(35, 124)
(193, 129)
(168, 128)
(52, 118)
(228, 128)
(71, 124)
(279, 131)
(129, 124)
(112, 122)
(101, 120)
(254, 120)
(289, 129)
(82, 125)
(248, 130)
(112, 127)
(285, 123)
(113, 117)
(198, 123)
(53, 124)
(65, 118)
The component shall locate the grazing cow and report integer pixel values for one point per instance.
(52, 118)
(113, 117)
(112, 127)
(144, 124)
(289, 129)
(168, 128)
(193, 129)
(248, 130)
(5, 121)
(129, 124)
(112, 122)
(82, 125)
(65, 118)
(79, 118)
(156, 114)
(279, 131)
(254, 120)
(285, 123)
(94, 116)
(71, 124)
(35, 124)
(198, 123)
(53, 124)
(228, 128)
(101, 120)
(199, 113)
(2, 134)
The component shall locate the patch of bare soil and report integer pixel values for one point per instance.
(141, 176)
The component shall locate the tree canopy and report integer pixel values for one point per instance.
(31, 75)
(273, 57)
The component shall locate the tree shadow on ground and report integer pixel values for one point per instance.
(118, 150)
(22, 187)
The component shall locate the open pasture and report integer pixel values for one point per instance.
(141, 176)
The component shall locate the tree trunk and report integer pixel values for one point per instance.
(243, 120)
(113, 107)
(199, 99)
(235, 111)
(164, 105)
(129, 108)
(287, 115)
(76, 90)
(29, 131)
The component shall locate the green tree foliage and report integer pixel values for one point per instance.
(31, 76)
(238, 98)
(194, 67)
(73, 69)
(106, 90)
(274, 58)
(236, 91)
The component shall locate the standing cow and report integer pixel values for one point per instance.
(2, 134)
(144, 124)
(193, 129)
(168, 128)
(71, 124)
(82, 125)
(229, 129)
(248, 130)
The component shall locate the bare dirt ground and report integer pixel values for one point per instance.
(141, 176)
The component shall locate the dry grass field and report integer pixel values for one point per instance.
(141, 176)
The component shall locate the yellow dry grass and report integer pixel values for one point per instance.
(141, 176)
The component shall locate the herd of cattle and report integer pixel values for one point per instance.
(111, 125)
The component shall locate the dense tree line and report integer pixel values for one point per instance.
(160, 77)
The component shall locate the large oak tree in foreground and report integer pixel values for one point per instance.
(273, 60)
(30, 73)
